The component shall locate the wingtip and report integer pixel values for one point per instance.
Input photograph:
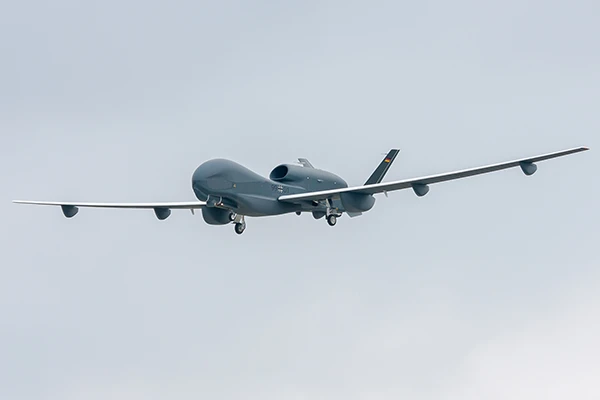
(585, 148)
(22, 202)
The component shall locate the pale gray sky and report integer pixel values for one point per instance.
(487, 287)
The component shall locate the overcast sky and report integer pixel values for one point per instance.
(488, 287)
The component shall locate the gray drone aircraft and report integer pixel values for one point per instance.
(227, 192)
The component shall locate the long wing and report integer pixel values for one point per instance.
(420, 185)
(162, 210)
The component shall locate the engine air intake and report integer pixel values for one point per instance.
(279, 173)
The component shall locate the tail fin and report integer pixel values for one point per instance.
(382, 169)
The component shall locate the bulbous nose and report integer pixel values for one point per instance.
(200, 189)
(210, 178)
(204, 171)
(200, 180)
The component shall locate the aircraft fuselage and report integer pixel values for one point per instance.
(227, 184)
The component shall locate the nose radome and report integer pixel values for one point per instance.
(211, 178)
(215, 167)
(206, 170)
(200, 179)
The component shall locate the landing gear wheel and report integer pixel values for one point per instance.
(239, 228)
(232, 216)
(331, 220)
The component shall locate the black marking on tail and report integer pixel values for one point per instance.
(382, 169)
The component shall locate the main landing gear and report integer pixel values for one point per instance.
(240, 227)
(331, 214)
(239, 221)
(331, 219)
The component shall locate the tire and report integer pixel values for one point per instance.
(239, 228)
(331, 220)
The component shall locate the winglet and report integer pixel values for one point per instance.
(383, 167)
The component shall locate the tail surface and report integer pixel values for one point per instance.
(383, 167)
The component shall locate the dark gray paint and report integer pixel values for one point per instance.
(230, 186)
(248, 193)
(162, 213)
(383, 167)
(69, 211)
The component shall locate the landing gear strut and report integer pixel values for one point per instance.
(332, 214)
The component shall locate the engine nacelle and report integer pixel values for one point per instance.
(289, 173)
(357, 202)
(216, 216)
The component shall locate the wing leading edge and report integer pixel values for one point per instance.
(162, 210)
(420, 185)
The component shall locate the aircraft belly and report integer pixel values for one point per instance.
(258, 206)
